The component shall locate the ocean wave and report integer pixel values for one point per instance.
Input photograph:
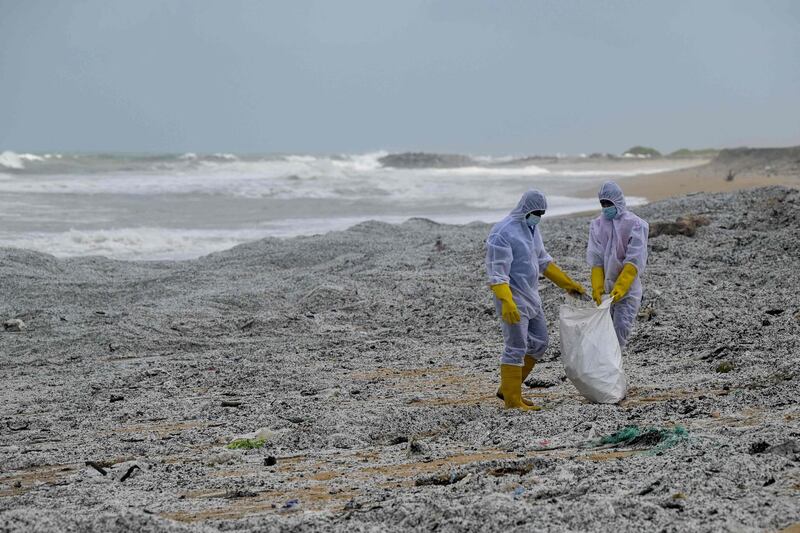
(494, 160)
(223, 157)
(11, 161)
(14, 161)
(354, 177)
(155, 243)
(530, 170)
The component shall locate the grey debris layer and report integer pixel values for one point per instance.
(366, 361)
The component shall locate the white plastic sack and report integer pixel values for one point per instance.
(590, 350)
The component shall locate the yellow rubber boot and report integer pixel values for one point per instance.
(511, 387)
(624, 282)
(530, 362)
(598, 284)
(560, 278)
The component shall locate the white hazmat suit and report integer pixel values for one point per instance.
(612, 243)
(515, 254)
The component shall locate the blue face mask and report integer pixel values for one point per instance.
(610, 212)
(532, 220)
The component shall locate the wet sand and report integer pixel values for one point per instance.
(368, 358)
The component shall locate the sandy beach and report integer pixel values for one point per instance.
(751, 168)
(366, 361)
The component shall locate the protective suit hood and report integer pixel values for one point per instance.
(532, 200)
(611, 191)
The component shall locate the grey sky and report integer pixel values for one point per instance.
(354, 76)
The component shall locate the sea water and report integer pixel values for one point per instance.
(144, 207)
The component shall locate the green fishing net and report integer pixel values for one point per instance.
(656, 439)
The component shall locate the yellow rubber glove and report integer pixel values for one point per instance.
(624, 282)
(557, 276)
(598, 284)
(509, 311)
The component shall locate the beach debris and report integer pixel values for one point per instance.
(247, 444)
(731, 174)
(257, 439)
(758, 447)
(18, 426)
(439, 245)
(535, 383)
(775, 312)
(789, 449)
(512, 469)
(291, 504)
(673, 504)
(718, 351)
(646, 314)
(14, 324)
(129, 473)
(97, 466)
(398, 439)
(686, 225)
(270, 460)
(416, 447)
(248, 324)
(116, 398)
(725, 366)
(635, 437)
(221, 458)
(239, 493)
(443, 478)
(231, 403)
(650, 488)
(519, 491)
(352, 505)
(676, 501)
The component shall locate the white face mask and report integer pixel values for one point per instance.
(532, 220)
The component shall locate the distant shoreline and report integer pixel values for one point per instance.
(732, 170)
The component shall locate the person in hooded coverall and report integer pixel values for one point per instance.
(515, 256)
(617, 254)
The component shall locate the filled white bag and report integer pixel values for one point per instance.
(590, 350)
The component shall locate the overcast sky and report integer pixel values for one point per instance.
(354, 76)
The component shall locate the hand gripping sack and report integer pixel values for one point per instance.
(590, 350)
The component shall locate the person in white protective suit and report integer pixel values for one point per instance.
(515, 256)
(617, 255)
